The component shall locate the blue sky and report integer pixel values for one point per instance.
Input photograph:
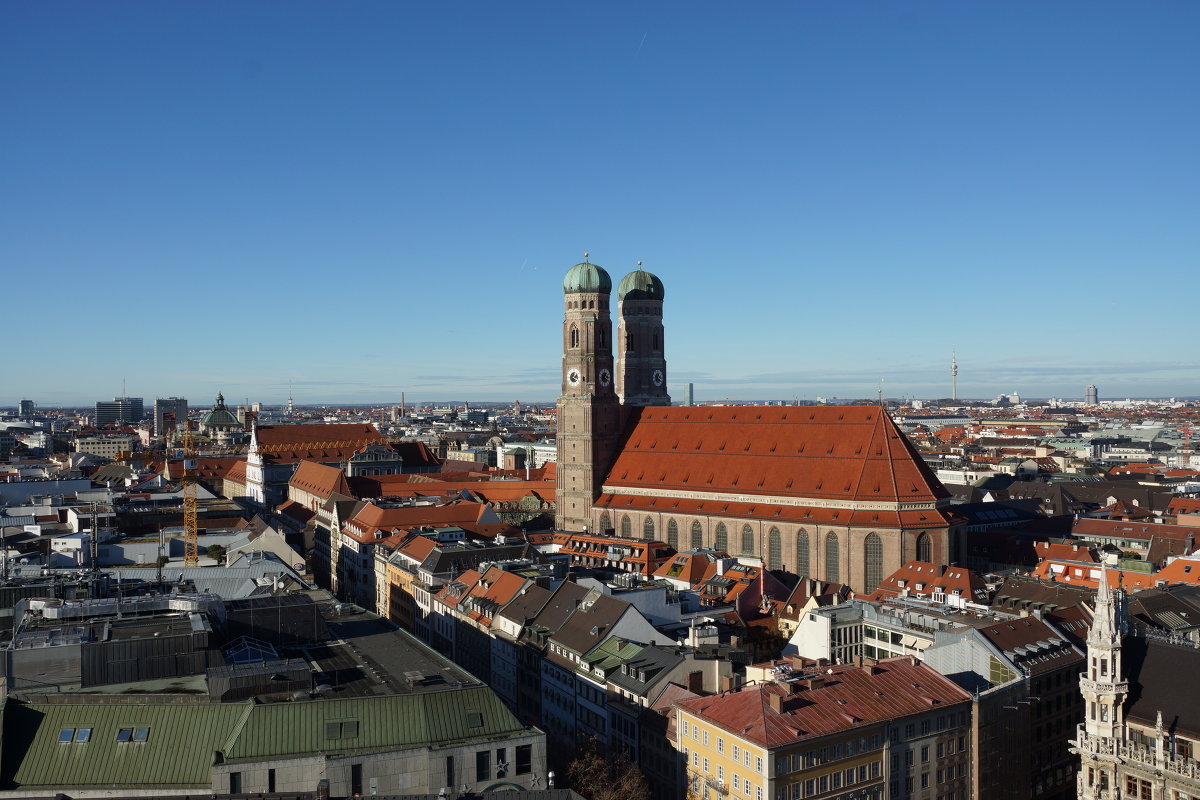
(366, 198)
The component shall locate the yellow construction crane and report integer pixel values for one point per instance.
(191, 531)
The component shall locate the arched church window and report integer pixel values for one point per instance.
(648, 529)
(657, 343)
(602, 336)
(605, 523)
(774, 549)
(721, 541)
(833, 572)
(747, 539)
(924, 548)
(626, 526)
(697, 535)
(873, 560)
(574, 336)
(673, 534)
(802, 566)
(628, 342)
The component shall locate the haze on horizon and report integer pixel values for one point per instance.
(353, 201)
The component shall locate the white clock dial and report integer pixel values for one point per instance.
(605, 377)
(657, 377)
(573, 377)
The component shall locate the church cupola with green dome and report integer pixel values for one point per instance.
(641, 354)
(219, 423)
(589, 414)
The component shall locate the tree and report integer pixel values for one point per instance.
(601, 775)
(216, 552)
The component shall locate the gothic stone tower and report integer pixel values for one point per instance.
(588, 411)
(642, 372)
(1104, 691)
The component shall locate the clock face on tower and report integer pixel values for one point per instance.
(573, 377)
(605, 377)
(657, 377)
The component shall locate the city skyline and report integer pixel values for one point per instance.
(830, 194)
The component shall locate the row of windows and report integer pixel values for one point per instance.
(831, 782)
(84, 735)
(872, 546)
(835, 752)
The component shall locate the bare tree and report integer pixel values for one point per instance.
(598, 774)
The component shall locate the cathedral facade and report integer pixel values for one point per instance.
(831, 492)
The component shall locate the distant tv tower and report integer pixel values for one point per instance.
(289, 405)
(954, 374)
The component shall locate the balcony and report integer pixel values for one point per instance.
(717, 786)
(1128, 753)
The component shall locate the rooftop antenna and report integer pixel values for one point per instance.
(879, 391)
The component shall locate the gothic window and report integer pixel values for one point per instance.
(628, 342)
(722, 538)
(574, 336)
(747, 539)
(657, 343)
(802, 553)
(774, 549)
(626, 526)
(605, 523)
(697, 535)
(648, 529)
(602, 335)
(873, 559)
(924, 548)
(832, 558)
(673, 534)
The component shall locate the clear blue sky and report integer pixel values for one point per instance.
(374, 197)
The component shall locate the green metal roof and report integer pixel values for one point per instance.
(640, 285)
(183, 736)
(587, 277)
(177, 752)
(427, 719)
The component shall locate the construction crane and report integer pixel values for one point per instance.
(191, 531)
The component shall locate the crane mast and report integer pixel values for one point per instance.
(191, 534)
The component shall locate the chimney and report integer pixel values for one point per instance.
(775, 702)
(815, 683)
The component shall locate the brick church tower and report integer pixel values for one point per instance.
(642, 371)
(589, 415)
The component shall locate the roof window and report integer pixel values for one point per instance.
(133, 734)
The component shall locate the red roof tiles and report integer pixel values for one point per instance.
(847, 698)
(849, 453)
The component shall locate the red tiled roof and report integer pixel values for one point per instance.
(848, 698)
(850, 453)
(372, 518)
(237, 473)
(1184, 505)
(335, 442)
(1111, 528)
(319, 480)
(932, 578)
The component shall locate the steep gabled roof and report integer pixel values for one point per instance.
(319, 479)
(847, 453)
(336, 442)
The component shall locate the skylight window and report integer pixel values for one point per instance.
(66, 735)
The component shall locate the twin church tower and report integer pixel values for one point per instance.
(605, 378)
